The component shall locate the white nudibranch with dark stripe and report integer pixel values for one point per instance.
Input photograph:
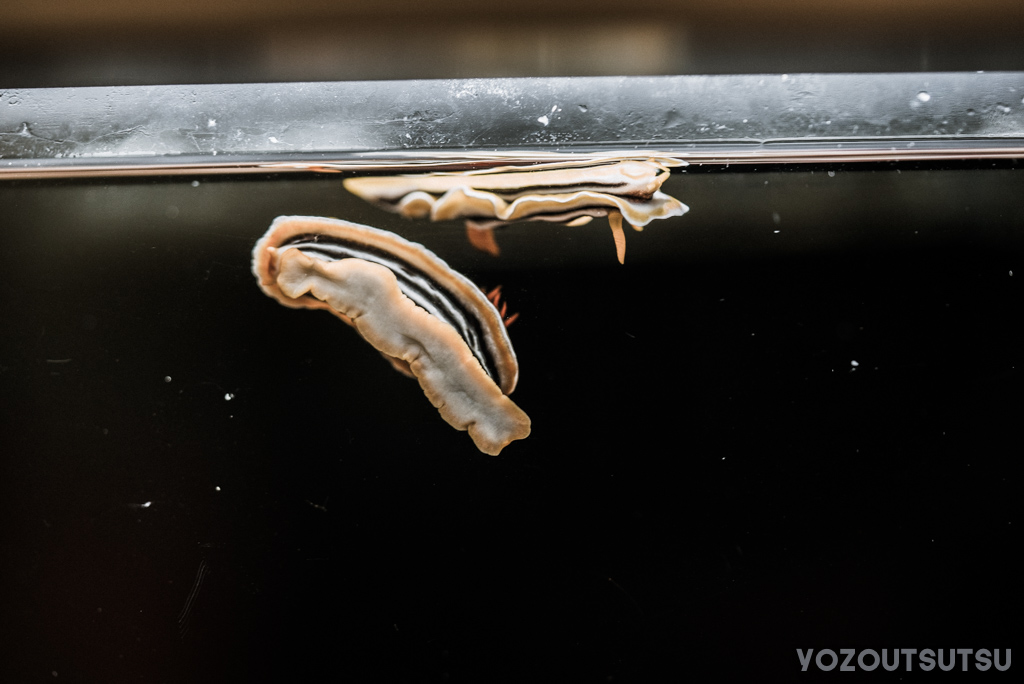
(570, 193)
(429, 321)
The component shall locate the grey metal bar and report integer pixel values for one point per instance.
(703, 119)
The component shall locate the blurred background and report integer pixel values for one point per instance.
(49, 43)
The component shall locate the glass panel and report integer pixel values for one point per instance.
(720, 119)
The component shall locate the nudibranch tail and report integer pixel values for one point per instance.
(425, 318)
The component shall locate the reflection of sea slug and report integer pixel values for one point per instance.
(562, 193)
(428, 320)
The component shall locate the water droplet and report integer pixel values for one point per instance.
(167, 378)
(776, 218)
(970, 112)
(582, 108)
(229, 396)
(831, 174)
(1003, 108)
(195, 184)
(543, 119)
(923, 96)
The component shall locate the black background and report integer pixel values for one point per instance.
(710, 483)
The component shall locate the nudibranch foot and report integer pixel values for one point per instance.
(425, 318)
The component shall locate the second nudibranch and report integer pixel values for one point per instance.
(572, 194)
(430, 321)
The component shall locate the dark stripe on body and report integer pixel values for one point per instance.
(514, 193)
(424, 291)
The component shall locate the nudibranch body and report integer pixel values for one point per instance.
(563, 193)
(428, 320)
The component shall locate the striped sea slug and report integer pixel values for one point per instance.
(567, 193)
(431, 322)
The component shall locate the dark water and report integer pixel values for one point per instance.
(199, 485)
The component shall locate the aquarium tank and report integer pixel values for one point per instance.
(710, 377)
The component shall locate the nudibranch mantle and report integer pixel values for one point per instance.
(430, 321)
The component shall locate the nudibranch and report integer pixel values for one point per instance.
(431, 322)
(558, 192)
